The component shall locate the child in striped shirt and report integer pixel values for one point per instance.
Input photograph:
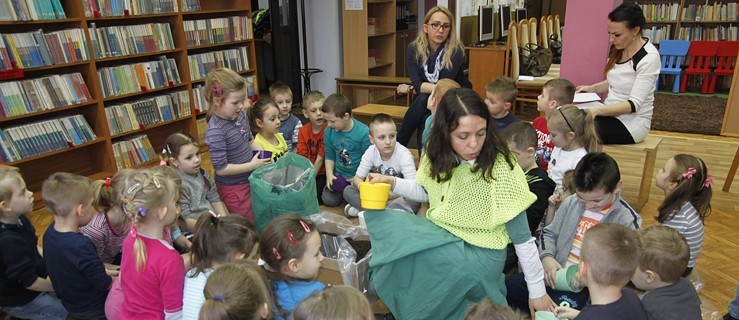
(687, 187)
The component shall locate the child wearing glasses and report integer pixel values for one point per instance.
(573, 134)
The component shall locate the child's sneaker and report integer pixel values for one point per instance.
(351, 211)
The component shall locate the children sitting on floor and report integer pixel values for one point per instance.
(335, 302)
(310, 137)
(554, 94)
(573, 135)
(597, 200)
(387, 157)
(610, 254)
(282, 95)
(500, 98)
(76, 271)
(664, 256)
(266, 126)
(237, 291)
(345, 141)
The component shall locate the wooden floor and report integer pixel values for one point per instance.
(719, 263)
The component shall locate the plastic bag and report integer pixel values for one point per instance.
(709, 311)
(353, 273)
(696, 280)
(286, 186)
(344, 226)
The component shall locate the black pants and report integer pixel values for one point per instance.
(413, 119)
(612, 131)
(517, 295)
(320, 184)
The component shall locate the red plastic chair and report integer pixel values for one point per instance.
(701, 54)
(725, 62)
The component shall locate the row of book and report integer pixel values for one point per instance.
(112, 8)
(711, 12)
(189, 5)
(656, 34)
(217, 30)
(660, 11)
(202, 106)
(32, 95)
(138, 77)
(28, 140)
(38, 49)
(730, 33)
(117, 41)
(133, 151)
(24, 10)
(202, 126)
(145, 112)
(235, 59)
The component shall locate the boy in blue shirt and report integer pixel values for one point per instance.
(345, 141)
(77, 273)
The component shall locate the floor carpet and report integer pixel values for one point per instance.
(688, 113)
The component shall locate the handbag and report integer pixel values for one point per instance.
(535, 60)
(556, 46)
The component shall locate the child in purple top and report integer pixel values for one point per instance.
(229, 140)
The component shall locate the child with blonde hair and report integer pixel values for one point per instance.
(573, 135)
(229, 140)
(687, 186)
(198, 190)
(264, 118)
(282, 96)
(487, 310)
(76, 271)
(310, 137)
(334, 303)
(25, 289)
(217, 241)
(291, 250)
(152, 272)
(554, 94)
(109, 226)
(236, 291)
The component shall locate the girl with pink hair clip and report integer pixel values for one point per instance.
(687, 186)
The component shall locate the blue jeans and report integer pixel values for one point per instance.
(45, 306)
(734, 305)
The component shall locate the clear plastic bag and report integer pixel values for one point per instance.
(343, 226)
(696, 279)
(708, 310)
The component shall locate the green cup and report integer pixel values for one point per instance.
(563, 279)
(545, 315)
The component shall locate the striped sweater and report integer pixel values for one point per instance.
(687, 221)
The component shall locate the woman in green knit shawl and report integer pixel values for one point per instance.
(435, 267)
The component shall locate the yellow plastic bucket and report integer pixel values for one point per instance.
(374, 195)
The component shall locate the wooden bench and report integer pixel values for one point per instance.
(345, 85)
(365, 112)
(631, 153)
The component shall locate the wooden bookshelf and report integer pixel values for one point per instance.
(95, 158)
(684, 19)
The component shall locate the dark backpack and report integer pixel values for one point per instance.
(556, 46)
(535, 60)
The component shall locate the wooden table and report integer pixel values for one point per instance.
(346, 86)
(365, 112)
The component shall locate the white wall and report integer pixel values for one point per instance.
(323, 33)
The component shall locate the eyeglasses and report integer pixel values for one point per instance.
(436, 26)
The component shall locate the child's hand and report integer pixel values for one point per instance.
(379, 178)
(566, 312)
(550, 270)
(543, 303)
(583, 89)
(555, 199)
(258, 163)
(330, 180)
(112, 272)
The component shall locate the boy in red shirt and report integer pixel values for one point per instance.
(310, 137)
(554, 94)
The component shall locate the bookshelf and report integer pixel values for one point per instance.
(691, 20)
(109, 92)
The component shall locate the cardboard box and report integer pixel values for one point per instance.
(330, 272)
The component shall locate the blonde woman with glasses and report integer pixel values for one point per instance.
(436, 54)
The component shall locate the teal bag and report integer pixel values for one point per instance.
(286, 186)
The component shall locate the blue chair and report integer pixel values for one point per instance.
(672, 53)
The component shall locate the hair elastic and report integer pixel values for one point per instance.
(709, 181)
(277, 254)
(689, 174)
(133, 231)
(218, 297)
(163, 162)
(216, 89)
(142, 211)
(108, 182)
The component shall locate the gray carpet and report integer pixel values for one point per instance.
(688, 113)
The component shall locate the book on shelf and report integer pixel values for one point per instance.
(235, 59)
(718, 33)
(118, 41)
(38, 49)
(189, 5)
(373, 26)
(660, 11)
(45, 93)
(146, 112)
(202, 126)
(217, 30)
(133, 151)
(36, 138)
(711, 12)
(138, 77)
(656, 34)
(112, 8)
(25, 10)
